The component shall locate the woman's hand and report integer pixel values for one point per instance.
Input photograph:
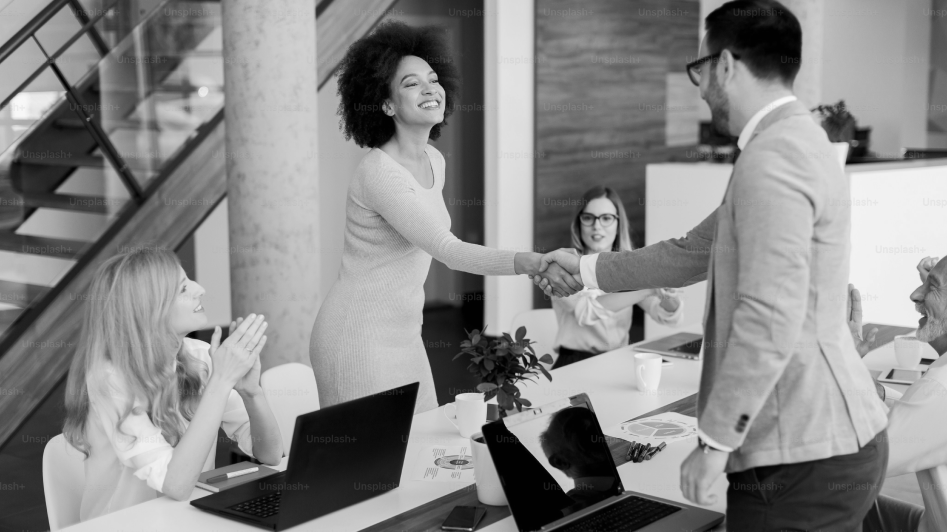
(526, 263)
(250, 383)
(670, 298)
(238, 354)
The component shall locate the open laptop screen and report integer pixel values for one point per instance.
(552, 461)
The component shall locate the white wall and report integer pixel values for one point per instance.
(876, 58)
(509, 145)
(898, 218)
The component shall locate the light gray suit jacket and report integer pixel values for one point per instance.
(782, 382)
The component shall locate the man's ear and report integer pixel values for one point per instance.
(728, 64)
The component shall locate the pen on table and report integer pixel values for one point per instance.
(631, 450)
(233, 474)
(644, 452)
(656, 450)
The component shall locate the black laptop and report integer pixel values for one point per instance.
(558, 473)
(341, 455)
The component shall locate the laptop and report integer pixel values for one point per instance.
(341, 455)
(558, 474)
(680, 345)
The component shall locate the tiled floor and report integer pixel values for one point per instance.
(22, 506)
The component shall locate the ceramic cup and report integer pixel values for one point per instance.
(648, 371)
(907, 349)
(467, 413)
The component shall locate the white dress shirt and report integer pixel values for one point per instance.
(585, 325)
(917, 436)
(587, 263)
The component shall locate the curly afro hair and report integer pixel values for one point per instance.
(368, 67)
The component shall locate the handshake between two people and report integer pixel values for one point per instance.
(559, 273)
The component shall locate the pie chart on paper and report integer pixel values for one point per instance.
(662, 428)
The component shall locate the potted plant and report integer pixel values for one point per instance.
(840, 126)
(501, 363)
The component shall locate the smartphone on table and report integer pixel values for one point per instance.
(464, 518)
(900, 376)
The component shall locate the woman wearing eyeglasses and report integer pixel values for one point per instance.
(591, 321)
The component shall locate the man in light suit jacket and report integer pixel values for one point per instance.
(785, 405)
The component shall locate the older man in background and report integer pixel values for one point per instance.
(916, 422)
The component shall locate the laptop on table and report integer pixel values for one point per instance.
(558, 474)
(680, 345)
(341, 455)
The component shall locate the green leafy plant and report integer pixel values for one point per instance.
(837, 122)
(501, 363)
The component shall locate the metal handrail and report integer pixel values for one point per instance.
(31, 27)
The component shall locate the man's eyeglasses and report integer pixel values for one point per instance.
(588, 219)
(694, 67)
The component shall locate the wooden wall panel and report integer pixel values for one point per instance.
(602, 101)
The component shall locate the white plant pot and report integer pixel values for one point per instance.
(841, 150)
(489, 489)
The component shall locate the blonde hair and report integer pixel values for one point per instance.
(127, 330)
(622, 233)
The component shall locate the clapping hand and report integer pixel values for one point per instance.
(853, 311)
(237, 359)
(559, 273)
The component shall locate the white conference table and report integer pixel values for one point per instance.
(609, 381)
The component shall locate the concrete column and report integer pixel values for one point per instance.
(272, 170)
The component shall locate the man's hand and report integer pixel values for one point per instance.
(923, 267)
(853, 310)
(699, 472)
(567, 258)
(555, 281)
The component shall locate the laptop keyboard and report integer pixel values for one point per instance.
(261, 507)
(632, 513)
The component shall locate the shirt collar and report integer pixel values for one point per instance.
(750, 126)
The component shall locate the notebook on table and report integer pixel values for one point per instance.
(229, 483)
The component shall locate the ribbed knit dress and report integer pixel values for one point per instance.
(367, 336)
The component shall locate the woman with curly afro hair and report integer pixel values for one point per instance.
(397, 86)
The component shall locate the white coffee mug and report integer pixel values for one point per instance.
(467, 413)
(907, 349)
(648, 371)
(489, 489)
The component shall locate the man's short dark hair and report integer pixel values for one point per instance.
(763, 33)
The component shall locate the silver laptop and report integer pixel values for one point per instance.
(558, 473)
(680, 345)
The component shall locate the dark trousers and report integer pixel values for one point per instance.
(892, 515)
(829, 495)
(571, 356)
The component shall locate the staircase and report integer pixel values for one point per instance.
(126, 154)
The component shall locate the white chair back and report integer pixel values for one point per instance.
(541, 327)
(63, 482)
(291, 391)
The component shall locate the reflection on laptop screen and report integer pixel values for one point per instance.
(553, 464)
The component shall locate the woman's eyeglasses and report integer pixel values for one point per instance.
(588, 219)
